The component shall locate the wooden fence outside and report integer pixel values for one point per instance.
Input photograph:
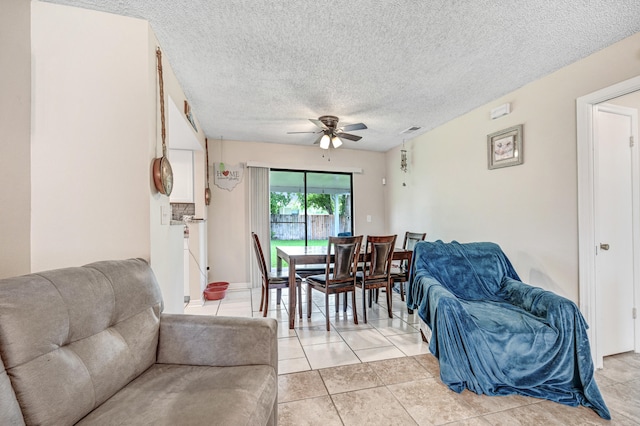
(291, 226)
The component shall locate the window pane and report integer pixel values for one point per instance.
(328, 205)
(287, 209)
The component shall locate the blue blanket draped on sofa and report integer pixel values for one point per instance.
(494, 334)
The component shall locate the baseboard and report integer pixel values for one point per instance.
(196, 303)
(239, 286)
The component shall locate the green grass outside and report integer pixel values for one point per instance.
(292, 243)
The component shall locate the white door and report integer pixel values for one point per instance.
(614, 189)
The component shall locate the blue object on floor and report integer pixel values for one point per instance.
(495, 335)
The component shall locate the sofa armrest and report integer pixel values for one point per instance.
(428, 296)
(217, 341)
(539, 302)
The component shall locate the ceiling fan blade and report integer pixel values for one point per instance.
(318, 140)
(349, 136)
(293, 133)
(352, 127)
(319, 123)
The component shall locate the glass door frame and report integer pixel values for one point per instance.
(306, 209)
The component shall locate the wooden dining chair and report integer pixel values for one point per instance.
(400, 272)
(274, 279)
(339, 277)
(377, 269)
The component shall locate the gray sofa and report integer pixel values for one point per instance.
(89, 345)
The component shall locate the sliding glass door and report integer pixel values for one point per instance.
(307, 207)
(328, 201)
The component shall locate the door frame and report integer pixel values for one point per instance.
(587, 244)
(305, 173)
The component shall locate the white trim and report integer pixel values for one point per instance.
(327, 168)
(586, 204)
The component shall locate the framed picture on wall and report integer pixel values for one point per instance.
(504, 148)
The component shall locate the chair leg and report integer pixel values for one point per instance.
(326, 309)
(353, 303)
(279, 296)
(344, 308)
(337, 302)
(299, 290)
(308, 301)
(389, 295)
(364, 302)
(266, 301)
(262, 297)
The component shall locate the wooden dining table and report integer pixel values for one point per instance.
(310, 255)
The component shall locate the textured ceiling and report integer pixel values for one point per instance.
(255, 70)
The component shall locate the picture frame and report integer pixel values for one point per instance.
(504, 148)
(189, 115)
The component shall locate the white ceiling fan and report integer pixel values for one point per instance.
(331, 133)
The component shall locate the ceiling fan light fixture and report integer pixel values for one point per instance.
(324, 142)
(336, 141)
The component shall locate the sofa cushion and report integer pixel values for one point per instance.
(192, 395)
(72, 337)
(10, 413)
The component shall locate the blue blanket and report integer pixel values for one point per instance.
(495, 335)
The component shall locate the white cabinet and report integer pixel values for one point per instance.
(182, 165)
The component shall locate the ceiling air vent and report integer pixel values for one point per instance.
(411, 129)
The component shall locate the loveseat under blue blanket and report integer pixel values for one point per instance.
(495, 335)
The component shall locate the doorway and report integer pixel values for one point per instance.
(602, 214)
(614, 225)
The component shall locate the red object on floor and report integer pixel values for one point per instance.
(216, 290)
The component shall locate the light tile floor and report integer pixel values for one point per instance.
(381, 373)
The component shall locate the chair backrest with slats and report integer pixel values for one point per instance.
(346, 251)
(380, 253)
(257, 248)
(411, 239)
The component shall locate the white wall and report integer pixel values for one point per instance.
(531, 209)
(228, 225)
(90, 141)
(15, 122)
(96, 132)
